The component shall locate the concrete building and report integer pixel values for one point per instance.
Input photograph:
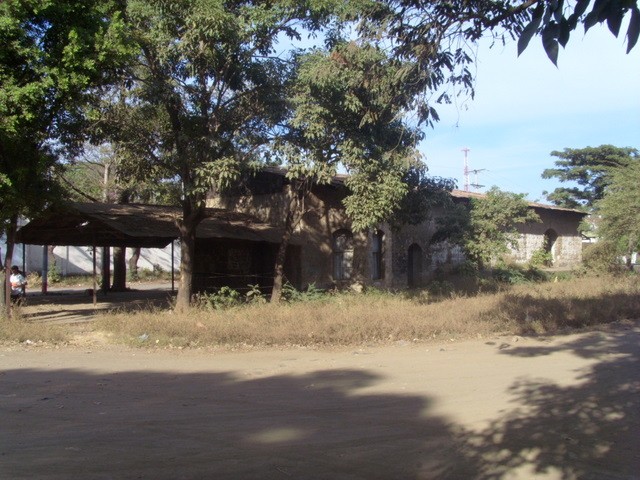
(326, 252)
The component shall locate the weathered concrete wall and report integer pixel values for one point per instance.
(409, 257)
(323, 216)
(566, 250)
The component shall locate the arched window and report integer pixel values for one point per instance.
(342, 254)
(377, 255)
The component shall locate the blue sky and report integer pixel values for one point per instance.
(525, 107)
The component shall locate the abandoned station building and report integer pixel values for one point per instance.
(237, 244)
(326, 252)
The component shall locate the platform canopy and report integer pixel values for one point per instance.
(136, 225)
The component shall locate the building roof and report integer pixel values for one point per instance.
(340, 179)
(469, 195)
(136, 225)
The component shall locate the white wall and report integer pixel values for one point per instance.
(79, 260)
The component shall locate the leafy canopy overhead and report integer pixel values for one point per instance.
(53, 57)
(441, 36)
(591, 168)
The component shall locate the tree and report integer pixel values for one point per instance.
(207, 95)
(492, 226)
(619, 210)
(52, 56)
(591, 168)
(348, 104)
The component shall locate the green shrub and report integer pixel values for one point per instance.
(601, 257)
(254, 294)
(53, 274)
(224, 298)
(541, 258)
(291, 294)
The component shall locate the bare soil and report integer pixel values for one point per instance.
(565, 407)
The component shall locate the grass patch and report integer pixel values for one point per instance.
(382, 317)
(17, 329)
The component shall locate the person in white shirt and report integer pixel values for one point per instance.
(18, 283)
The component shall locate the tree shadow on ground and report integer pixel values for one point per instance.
(75, 424)
(64, 423)
(589, 430)
(77, 306)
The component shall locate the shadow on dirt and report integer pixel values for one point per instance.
(588, 431)
(73, 424)
(77, 306)
(63, 424)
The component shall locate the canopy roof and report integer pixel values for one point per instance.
(136, 225)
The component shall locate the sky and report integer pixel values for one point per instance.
(525, 108)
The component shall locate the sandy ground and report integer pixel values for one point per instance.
(503, 408)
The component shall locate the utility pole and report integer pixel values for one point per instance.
(475, 184)
(466, 169)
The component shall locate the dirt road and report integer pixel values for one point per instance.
(563, 407)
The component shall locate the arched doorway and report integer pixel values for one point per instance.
(550, 239)
(414, 267)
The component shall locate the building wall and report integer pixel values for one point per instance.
(566, 250)
(409, 257)
(322, 217)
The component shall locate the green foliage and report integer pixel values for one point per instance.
(516, 274)
(541, 258)
(54, 56)
(591, 169)
(255, 295)
(224, 298)
(601, 257)
(492, 225)
(290, 294)
(53, 274)
(425, 193)
(619, 211)
(348, 106)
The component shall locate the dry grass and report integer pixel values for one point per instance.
(383, 317)
(17, 329)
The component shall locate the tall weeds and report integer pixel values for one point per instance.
(350, 319)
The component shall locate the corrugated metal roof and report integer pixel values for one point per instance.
(136, 225)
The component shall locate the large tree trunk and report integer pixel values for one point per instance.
(133, 262)
(187, 251)
(281, 257)
(11, 241)
(119, 269)
(191, 218)
(300, 190)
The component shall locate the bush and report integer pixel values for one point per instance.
(53, 274)
(541, 258)
(291, 294)
(601, 257)
(224, 298)
(515, 275)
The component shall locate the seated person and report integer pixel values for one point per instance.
(18, 284)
